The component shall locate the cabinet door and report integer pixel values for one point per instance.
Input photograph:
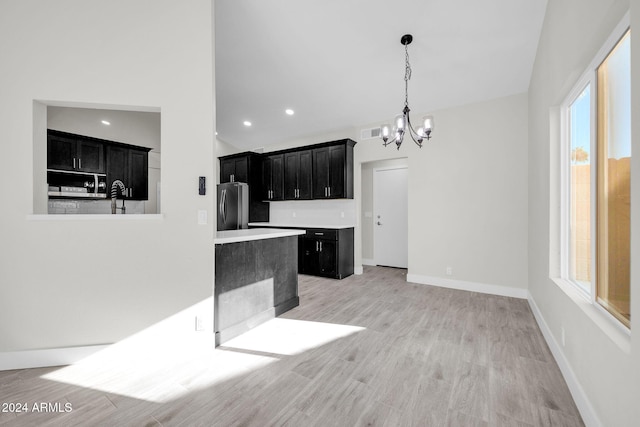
(336, 171)
(266, 178)
(291, 168)
(320, 172)
(304, 175)
(90, 156)
(61, 153)
(308, 261)
(277, 177)
(138, 175)
(327, 258)
(227, 169)
(241, 173)
(117, 166)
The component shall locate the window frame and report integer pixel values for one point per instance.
(588, 78)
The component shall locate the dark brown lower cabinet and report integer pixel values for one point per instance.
(326, 252)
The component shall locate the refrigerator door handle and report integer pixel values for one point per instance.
(223, 206)
(220, 204)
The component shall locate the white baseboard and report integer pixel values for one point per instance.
(462, 285)
(367, 261)
(358, 270)
(47, 357)
(588, 413)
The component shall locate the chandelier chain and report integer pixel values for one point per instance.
(407, 75)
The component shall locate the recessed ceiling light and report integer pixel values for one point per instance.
(247, 123)
(289, 111)
(105, 122)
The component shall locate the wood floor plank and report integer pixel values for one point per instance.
(420, 356)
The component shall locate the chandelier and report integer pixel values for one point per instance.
(402, 122)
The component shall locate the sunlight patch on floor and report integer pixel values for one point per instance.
(289, 336)
(164, 362)
(158, 377)
(161, 363)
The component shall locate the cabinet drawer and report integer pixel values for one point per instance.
(322, 233)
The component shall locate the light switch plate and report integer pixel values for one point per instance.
(202, 217)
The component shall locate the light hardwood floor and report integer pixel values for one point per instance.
(380, 351)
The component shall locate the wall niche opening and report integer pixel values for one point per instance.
(85, 154)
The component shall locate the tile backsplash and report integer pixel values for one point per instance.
(329, 212)
(69, 206)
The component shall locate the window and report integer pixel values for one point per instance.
(596, 154)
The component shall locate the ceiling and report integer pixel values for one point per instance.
(339, 64)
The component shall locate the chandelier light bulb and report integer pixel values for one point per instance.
(385, 131)
(428, 124)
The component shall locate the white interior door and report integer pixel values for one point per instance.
(390, 217)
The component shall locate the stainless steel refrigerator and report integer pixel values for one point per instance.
(233, 206)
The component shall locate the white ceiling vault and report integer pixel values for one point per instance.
(340, 63)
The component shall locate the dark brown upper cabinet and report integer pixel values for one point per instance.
(320, 171)
(235, 169)
(333, 171)
(71, 152)
(131, 166)
(297, 175)
(273, 177)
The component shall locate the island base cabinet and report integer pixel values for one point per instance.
(255, 281)
(326, 253)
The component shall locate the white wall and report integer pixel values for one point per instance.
(79, 282)
(604, 372)
(140, 128)
(467, 195)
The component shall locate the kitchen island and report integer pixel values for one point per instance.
(256, 278)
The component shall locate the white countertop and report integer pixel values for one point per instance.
(304, 225)
(234, 236)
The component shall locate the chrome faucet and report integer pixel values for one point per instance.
(115, 185)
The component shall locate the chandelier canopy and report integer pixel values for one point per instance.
(402, 122)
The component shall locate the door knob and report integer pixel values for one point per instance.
(379, 223)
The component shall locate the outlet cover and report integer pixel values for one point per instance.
(199, 323)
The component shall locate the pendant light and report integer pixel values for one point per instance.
(402, 123)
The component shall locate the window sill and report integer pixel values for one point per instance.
(95, 217)
(610, 326)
